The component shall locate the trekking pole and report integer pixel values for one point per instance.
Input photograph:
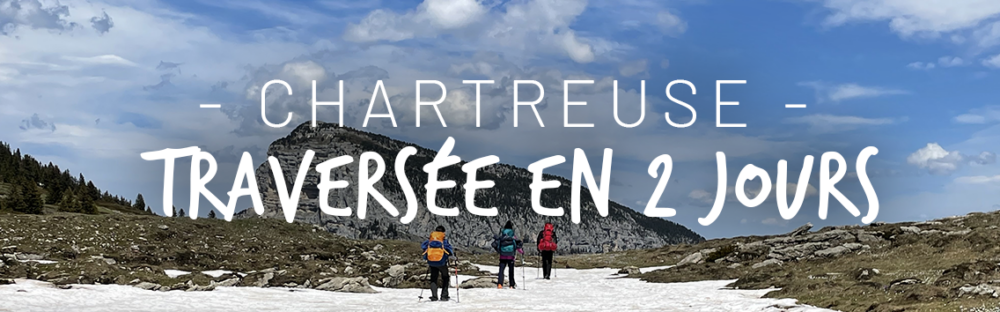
(458, 295)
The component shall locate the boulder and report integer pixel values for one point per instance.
(346, 284)
(754, 248)
(800, 230)
(766, 263)
(480, 282)
(904, 281)
(630, 270)
(978, 290)
(692, 258)
(832, 252)
(147, 286)
(230, 282)
(257, 279)
(864, 274)
(867, 237)
(396, 270)
(796, 252)
(910, 229)
(697, 257)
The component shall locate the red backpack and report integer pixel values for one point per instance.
(547, 243)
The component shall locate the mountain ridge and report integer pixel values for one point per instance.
(623, 228)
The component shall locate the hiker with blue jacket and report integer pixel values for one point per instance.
(507, 245)
(436, 252)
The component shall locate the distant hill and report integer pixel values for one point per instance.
(623, 229)
(29, 187)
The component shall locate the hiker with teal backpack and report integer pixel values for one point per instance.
(436, 252)
(508, 245)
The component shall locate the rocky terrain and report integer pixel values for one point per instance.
(165, 254)
(622, 229)
(951, 264)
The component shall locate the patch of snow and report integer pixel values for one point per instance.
(569, 290)
(216, 273)
(175, 273)
(40, 261)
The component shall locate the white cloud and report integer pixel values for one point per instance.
(832, 123)
(978, 179)
(629, 69)
(108, 59)
(939, 161)
(533, 24)
(951, 61)
(670, 24)
(909, 18)
(988, 114)
(847, 91)
(921, 65)
(993, 61)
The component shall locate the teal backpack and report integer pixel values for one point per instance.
(507, 243)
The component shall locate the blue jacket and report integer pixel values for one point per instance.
(444, 260)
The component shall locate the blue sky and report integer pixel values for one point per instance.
(90, 85)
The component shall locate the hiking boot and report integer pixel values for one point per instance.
(445, 298)
(434, 298)
(512, 286)
(499, 286)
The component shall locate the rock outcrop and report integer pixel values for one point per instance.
(622, 229)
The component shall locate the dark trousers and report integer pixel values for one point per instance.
(510, 271)
(546, 263)
(441, 271)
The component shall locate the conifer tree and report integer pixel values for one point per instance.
(32, 200)
(140, 203)
(182, 214)
(68, 202)
(15, 199)
(211, 214)
(87, 204)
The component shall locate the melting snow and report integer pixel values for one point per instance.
(216, 273)
(175, 273)
(571, 290)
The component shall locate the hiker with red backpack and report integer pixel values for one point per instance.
(436, 252)
(506, 243)
(547, 246)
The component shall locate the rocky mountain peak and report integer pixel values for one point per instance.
(622, 229)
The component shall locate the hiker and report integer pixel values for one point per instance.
(506, 243)
(547, 246)
(436, 252)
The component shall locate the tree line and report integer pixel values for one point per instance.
(30, 185)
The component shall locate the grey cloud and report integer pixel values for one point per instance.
(168, 66)
(36, 122)
(164, 82)
(31, 13)
(102, 23)
(985, 158)
(230, 155)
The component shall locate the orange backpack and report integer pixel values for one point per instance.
(435, 248)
